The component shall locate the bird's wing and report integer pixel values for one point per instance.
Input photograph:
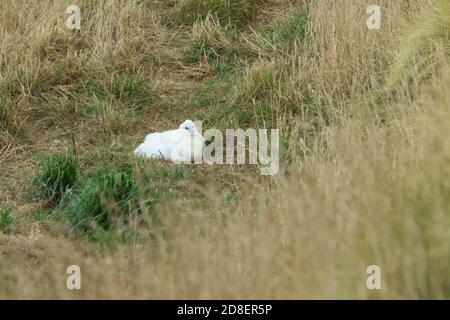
(170, 145)
(152, 136)
(181, 150)
(153, 147)
(172, 137)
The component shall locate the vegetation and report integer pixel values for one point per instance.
(364, 177)
(6, 219)
(57, 174)
(235, 12)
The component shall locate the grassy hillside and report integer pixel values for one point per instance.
(364, 167)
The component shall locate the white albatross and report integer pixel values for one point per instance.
(180, 145)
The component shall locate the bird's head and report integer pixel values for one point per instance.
(188, 125)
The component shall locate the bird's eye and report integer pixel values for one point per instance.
(186, 128)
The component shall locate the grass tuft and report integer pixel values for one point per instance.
(284, 33)
(104, 200)
(55, 175)
(6, 218)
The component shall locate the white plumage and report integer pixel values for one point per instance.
(180, 145)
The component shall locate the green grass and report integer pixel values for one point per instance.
(126, 87)
(283, 34)
(225, 107)
(103, 200)
(69, 88)
(212, 99)
(132, 88)
(219, 46)
(6, 218)
(236, 99)
(177, 174)
(203, 49)
(116, 200)
(107, 200)
(41, 216)
(242, 100)
(55, 175)
(236, 12)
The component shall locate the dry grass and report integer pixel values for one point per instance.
(365, 176)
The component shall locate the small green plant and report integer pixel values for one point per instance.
(56, 174)
(6, 218)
